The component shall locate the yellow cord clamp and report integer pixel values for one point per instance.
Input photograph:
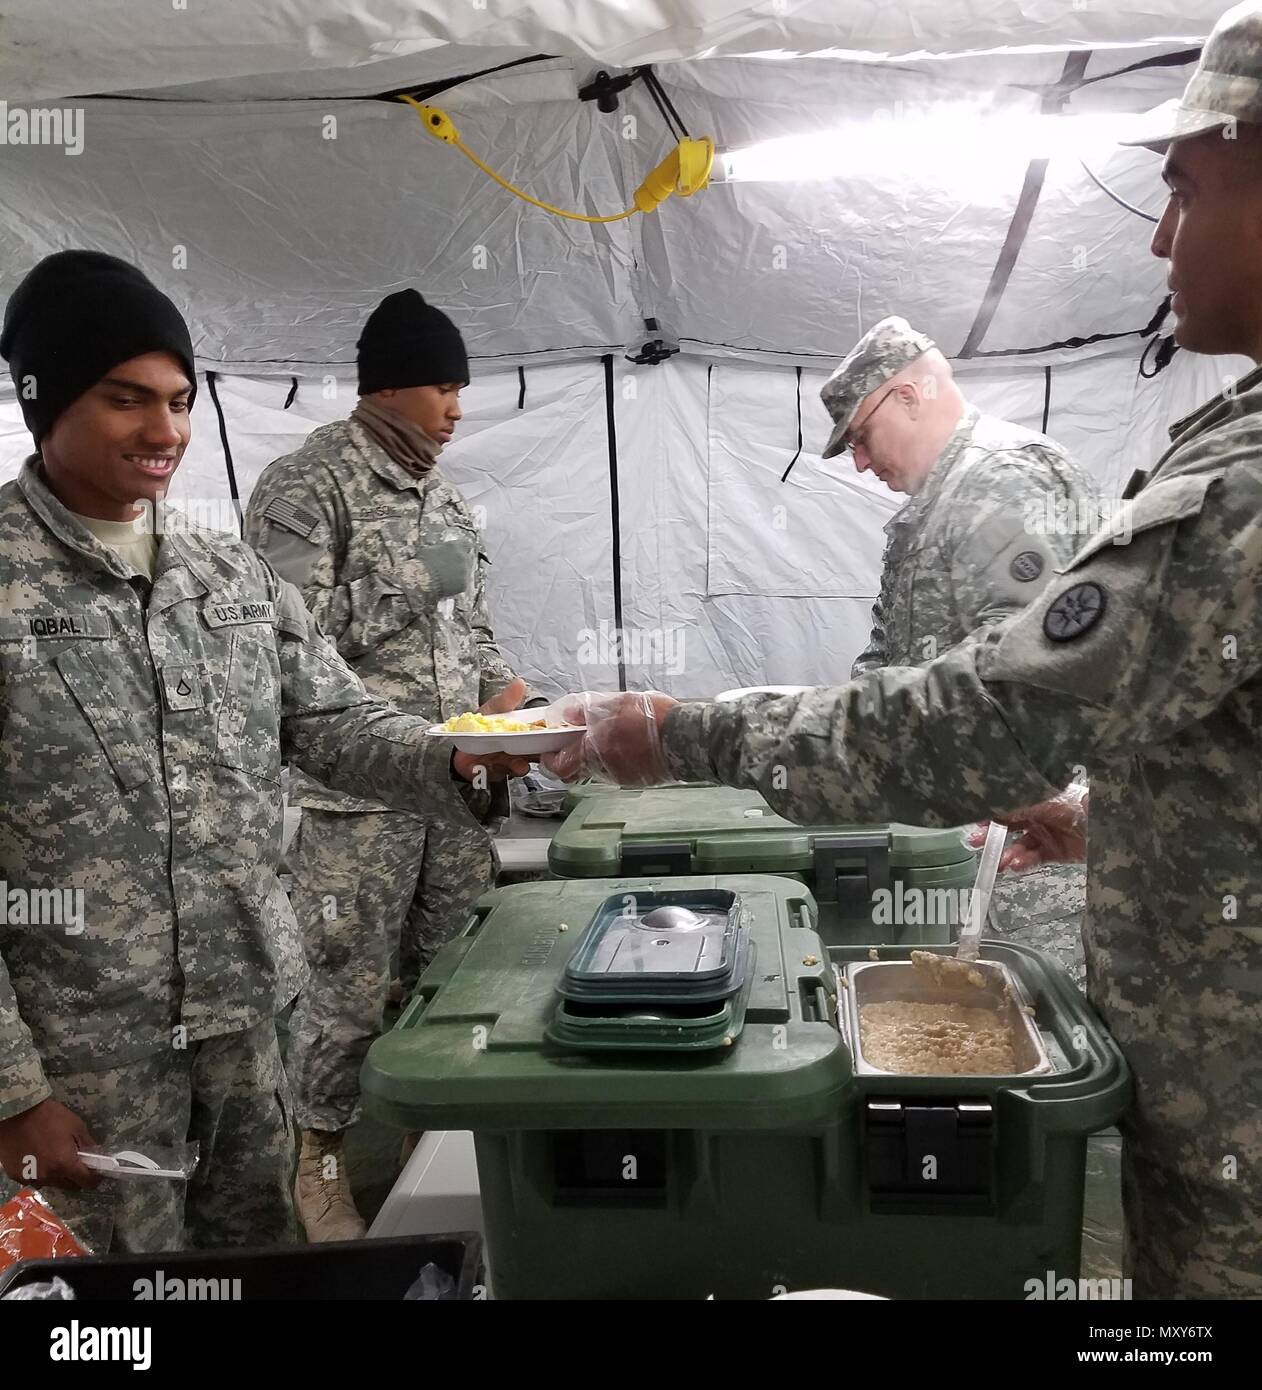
(684, 171)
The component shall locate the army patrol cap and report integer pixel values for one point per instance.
(883, 351)
(1225, 87)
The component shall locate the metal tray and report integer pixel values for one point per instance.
(878, 982)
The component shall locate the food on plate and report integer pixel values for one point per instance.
(490, 724)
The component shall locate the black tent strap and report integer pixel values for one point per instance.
(293, 391)
(1162, 60)
(1047, 396)
(1064, 344)
(798, 455)
(1146, 331)
(1019, 227)
(611, 432)
(211, 378)
(521, 388)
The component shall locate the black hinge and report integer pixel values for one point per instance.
(930, 1158)
(849, 869)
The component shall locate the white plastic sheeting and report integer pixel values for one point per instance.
(278, 225)
(277, 207)
(728, 577)
(74, 47)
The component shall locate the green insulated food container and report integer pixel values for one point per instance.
(775, 1158)
(873, 884)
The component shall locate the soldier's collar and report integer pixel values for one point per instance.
(54, 513)
(956, 443)
(1202, 412)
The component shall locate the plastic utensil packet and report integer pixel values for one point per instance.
(177, 1161)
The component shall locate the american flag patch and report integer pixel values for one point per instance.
(291, 516)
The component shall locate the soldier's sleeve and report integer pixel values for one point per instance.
(496, 673)
(294, 527)
(22, 1081)
(874, 655)
(1017, 521)
(1128, 646)
(332, 728)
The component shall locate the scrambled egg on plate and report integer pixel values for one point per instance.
(490, 724)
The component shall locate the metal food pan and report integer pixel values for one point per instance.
(878, 982)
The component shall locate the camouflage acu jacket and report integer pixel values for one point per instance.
(142, 733)
(1142, 663)
(962, 552)
(392, 567)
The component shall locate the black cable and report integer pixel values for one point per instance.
(1120, 201)
(432, 89)
(293, 391)
(211, 378)
(657, 95)
(1047, 396)
(521, 388)
(655, 82)
(1166, 348)
(426, 89)
(611, 432)
(798, 455)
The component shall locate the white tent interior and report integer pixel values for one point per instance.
(246, 158)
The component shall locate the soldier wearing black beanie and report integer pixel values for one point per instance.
(407, 342)
(76, 315)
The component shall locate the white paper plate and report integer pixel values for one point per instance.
(523, 744)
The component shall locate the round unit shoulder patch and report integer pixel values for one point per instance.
(1074, 612)
(1026, 567)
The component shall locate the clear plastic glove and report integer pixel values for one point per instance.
(1053, 832)
(623, 742)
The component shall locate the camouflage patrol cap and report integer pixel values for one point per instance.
(1226, 86)
(877, 356)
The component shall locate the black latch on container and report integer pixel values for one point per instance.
(657, 860)
(849, 869)
(929, 1158)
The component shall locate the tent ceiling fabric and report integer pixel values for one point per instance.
(277, 240)
(76, 47)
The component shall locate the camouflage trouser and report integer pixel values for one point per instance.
(1043, 908)
(229, 1094)
(368, 884)
(1191, 1152)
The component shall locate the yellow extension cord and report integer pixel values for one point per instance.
(685, 170)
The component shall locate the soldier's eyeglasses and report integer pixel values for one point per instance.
(859, 436)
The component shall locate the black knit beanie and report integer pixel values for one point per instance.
(73, 318)
(407, 342)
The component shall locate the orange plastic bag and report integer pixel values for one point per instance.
(31, 1230)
